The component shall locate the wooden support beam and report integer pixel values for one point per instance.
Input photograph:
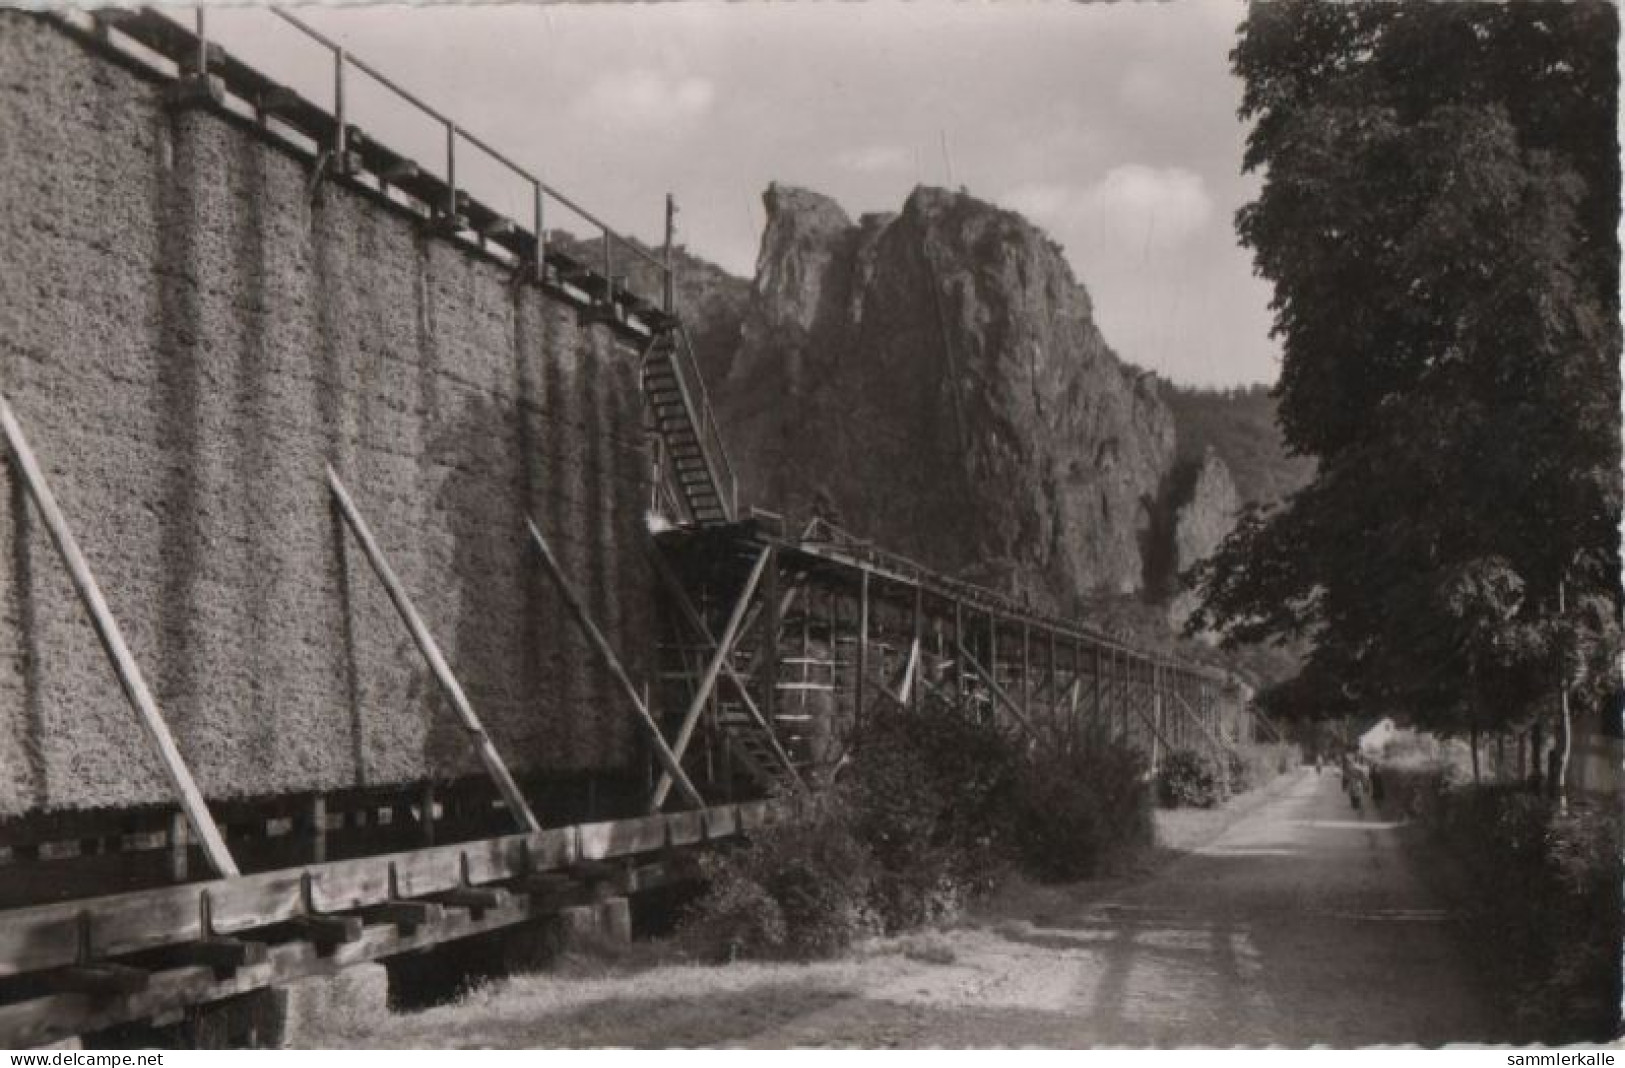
(107, 630)
(328, 932)
(959, 644)
(478, 900)
(316, 828)
(908, 688)
(453, 690)
(98, 980)
(1201, 723)
(1026, 672)
(222, 955)
(713, 670)
(408, 916)
(997, 691)
(601, 645)
(919, 637)
(861, 685)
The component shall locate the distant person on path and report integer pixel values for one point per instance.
(1356, 782)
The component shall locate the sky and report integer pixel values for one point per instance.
(1111, 125)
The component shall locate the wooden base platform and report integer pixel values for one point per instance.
(77, 966)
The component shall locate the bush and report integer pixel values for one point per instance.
(1083, 809)
(932, 809)
(799, 890)
(931, 795)
(1254, 765)
(1543, 898)
(1191, 778)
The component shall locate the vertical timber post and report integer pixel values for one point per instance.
(959, 653)
(341, 130)
(860, 685)
(770, 637)
(1026, 671)
(670, 292)
(539, 221)
(451, 176)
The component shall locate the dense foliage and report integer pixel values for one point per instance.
(1082, 808)
(932, 809)
(1192, 778)
(1437, 217)
(1540, 892)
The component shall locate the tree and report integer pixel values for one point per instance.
(1437, 217)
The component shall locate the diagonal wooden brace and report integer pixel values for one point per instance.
(692, 615)
(425, 642)
(601, 645)
(708, 681)
(1218, 743)
(129, 673)
(997, 691)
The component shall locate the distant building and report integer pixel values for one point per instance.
(1375, 737)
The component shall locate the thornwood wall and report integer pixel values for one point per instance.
(188, 336)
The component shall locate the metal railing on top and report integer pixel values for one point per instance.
(820, 531)
(613, 244)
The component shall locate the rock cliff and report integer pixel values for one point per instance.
(937, 376)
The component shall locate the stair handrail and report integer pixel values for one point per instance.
(698, 401)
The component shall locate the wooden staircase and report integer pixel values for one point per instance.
(738, 745)
(693, 469)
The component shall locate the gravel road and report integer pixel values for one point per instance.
(1301, 923)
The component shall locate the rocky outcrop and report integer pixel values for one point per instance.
(1202, 521)
(937, 376)
(1203, 510)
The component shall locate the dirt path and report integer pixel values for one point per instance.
(1300, 924)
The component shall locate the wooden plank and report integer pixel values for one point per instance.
(328, 932)
(223, 956)
(713, 670)
(478, 900)
(407, 916)
(721, 821)
(428, 870)
(686, 828)
(431, 652)
(98, 980)
(45, 1019)
(551, 850)
(493, 859)
(107, 630)
(619, 838)
(752, 814)
(607, 655)
(41, 937)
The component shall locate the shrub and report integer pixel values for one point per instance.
(930, 811)
(1253, 765)
(930, 793)
(1083, 809)
(1191, 778)
(798, 890)
(1543, 895)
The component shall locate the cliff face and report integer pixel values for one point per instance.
(937, 375)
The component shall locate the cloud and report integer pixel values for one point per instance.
(645, 98)
(1132, 204)
(875, 159)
